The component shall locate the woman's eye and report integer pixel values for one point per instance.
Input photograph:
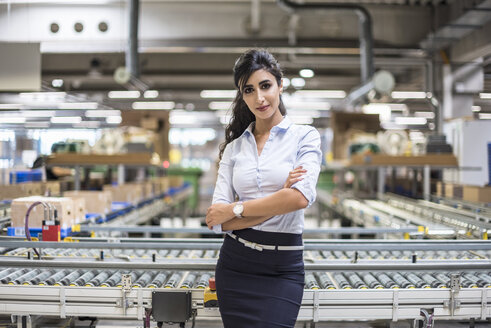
(266, 86)
(247, 90)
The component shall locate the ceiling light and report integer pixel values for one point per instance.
(167, 105)
(81, 105)
(298, 82)
(12, 119)
(182, 118)
(102, 113)
(38, 113)
(333, 94)
(408, 95)
(151, 94)
(485, 116)
(43, 96)
(306, 73)
(66, 119)
(383, 110)
(218, 94)
(87, 124)
(427, 115)
(113, 119)
(10, 106)
(302, 119)
(124, 94)
(407, 120)
(36, 125)
(476, 108)
(220, 105)
(312, 105)
(286, 82)
(309, 113)
(483, 95)
(57, 83)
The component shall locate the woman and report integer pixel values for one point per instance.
(267, 176)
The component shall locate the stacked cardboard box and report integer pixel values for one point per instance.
(477, 194)
(95, 201)
(65, 209)
(20, 190)
(130, 193)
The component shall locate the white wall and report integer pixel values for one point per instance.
(469, 140)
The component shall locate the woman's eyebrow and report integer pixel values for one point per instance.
(262, 82)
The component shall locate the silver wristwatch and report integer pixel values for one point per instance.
(238, 209)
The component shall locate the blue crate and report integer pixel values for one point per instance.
(25, 176)
(35, 232)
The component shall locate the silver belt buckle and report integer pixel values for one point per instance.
(253, 246)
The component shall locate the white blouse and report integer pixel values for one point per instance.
(244, 174)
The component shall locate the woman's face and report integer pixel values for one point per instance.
(261, 93)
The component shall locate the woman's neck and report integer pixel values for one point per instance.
(264, 126)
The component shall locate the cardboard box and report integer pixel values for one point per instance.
(453, 191)
(95, 201)
(50, 188)
(175, 180)
(477, 194)
(79, 209)
(129, 193)
(64, 206)
(20, 190)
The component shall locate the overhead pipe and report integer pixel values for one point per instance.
(366, 47)
(365, 29)
(132, 62)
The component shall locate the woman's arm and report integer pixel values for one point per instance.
(242, 223)
(283, 201)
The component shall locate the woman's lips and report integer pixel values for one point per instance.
(263, 108)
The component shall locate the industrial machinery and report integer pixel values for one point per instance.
(138, 279)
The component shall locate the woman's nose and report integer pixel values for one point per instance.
(260, 97)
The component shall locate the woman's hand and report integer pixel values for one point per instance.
(218, 214)
(294, 176)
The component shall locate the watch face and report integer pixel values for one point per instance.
(238, 209)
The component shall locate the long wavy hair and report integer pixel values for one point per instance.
(249, 62)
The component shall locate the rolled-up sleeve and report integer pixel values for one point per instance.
(224, 192)
(309, 156)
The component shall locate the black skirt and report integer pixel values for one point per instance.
(260, 289)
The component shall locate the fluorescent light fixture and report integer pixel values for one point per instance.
(57, 83)
(153, 105)
(302, 119)
(182, 118)
(476, 108)
(330, 94)
(36, 125)
(38, 113)
(81, 105)
(10, 106)
(228, 94)
(426, 115)
(286, 82)
(307, 105)
(102, 113)
(407, 120)
(408, 94)
(87, 124)
(483, 95)
(306, 73)
(298, 82)
(151, 94)
(66, 119)
(124, 94)
(43, 96)
(12, 119)
(309, 113)
(220, 105)
(383, 110)
(113, 119)
(485, 116)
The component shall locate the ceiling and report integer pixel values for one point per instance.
(188, 46)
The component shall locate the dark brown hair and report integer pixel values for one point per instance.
(249, 62)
